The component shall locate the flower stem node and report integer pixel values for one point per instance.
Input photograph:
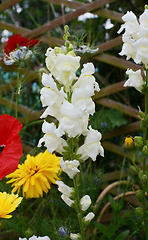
(139, 212)
(145, 150)
(139, 195)
(138, 142)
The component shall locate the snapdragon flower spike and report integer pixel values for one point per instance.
(10, 144)
(135, 38)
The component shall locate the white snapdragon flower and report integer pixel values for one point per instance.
(62, 66)
(67, 66)
(89, 216)
(92, 145)
(75, 236)
(73, 121)
(51, 96)
(50, 61)
(143, 19)
(135, 38)
(52, 141)
(73, 127)
(63, 188)
(19, 54)
(67, 200)
(131, 25)
(81, 99)
(135, 79)
(36, 238)
(128, 48)
(85, 202)
(141, 47)
(86, 79)
(70, 167)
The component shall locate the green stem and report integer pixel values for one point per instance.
(144, 141)
(27, 118)
(79, 211)
(17, 92)
(77, 200)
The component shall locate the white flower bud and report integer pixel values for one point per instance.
(89, 216)
(85, 202)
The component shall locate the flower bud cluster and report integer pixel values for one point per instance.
(21, 53)
(135, 45)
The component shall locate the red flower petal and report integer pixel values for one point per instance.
(16, 40)
(10, 156)
(8, 126)
(10, 139)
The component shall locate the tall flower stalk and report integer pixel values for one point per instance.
(68, 99)
(135, 46)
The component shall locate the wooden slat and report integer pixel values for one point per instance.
(52, 41)
(119, 106)
(123, 130)
(111, 89)
(8, 4)
(67, 17)
(105, 13)
(70, 4)
(117, 62)
(115, 149)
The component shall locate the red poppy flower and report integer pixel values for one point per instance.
(10, 144)
(17, 40)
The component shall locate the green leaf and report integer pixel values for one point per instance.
(120, 204)
(112, 202)
(122, 235)
(101, 228)
(66, 148)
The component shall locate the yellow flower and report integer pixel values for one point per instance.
(8, 203)
(36, 174)
(129, 143)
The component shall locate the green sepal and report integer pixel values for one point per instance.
(139, 195)
(145, 150)
(139, 212)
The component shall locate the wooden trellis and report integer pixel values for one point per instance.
(101, 98)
